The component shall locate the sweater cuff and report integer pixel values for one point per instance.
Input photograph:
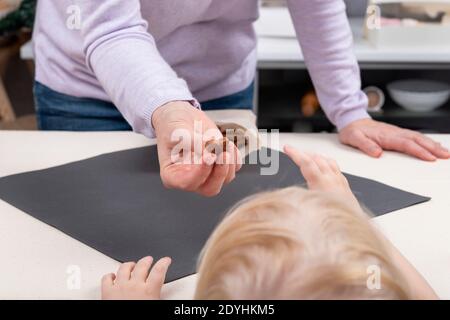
(166, 93)
(350, 116)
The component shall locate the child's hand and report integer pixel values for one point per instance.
(136, 281)
(321, 173)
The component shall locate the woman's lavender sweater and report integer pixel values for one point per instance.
(141, 54)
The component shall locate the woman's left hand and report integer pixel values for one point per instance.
(372, 137)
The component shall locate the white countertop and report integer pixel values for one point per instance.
(278, 43)
(35, 256)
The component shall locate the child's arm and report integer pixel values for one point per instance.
(324, 174)
(136, 281)
(420, 289)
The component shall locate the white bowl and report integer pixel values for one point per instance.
(419, 95)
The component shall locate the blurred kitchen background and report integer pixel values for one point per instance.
(403, 48)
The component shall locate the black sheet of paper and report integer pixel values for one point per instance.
(116, 204)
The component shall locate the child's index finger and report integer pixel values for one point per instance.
(294, 155)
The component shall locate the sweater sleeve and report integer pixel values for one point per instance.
(124, 57)
(327, 43)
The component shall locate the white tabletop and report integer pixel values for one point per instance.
(35, 257)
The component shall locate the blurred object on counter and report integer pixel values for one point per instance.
(376, 98)
(422, 11)
(310, 104)
(419, 95)
(407, 23)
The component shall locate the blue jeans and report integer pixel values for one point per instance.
(57, 111)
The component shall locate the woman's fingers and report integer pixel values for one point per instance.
(431, 146)
(187, 177)
(215, 181)
(237, 157)
(231, 174)
(407, 146)
(204, 177)
(157, 276)
(125, 270)
(217, 167)
(230, 160)
(142, 269)
(204, 171)
(236, 160)
(359, 140)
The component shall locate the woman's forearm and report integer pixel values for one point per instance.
(327, 43)
(125, 60)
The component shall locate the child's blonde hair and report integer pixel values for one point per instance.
(296, 244)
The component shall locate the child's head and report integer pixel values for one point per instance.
(296, 244)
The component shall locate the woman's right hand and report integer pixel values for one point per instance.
(321, 173)
(197, 170)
